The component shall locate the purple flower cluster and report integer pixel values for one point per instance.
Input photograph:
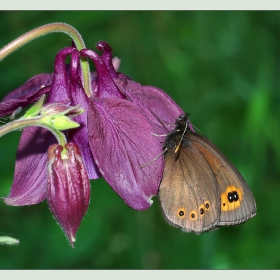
(115, 138)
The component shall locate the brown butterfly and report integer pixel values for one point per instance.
(200, 188)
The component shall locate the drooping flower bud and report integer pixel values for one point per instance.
(59, 122)
(68, 189)
(58, 115)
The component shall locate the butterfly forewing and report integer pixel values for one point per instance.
(188, 192)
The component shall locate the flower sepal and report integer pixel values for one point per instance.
(59, 116)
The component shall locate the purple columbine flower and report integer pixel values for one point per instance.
(116, 133)
(30, 179)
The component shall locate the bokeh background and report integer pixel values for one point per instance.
(221, 67)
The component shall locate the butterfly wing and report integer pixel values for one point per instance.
(237, 203)
(188, 192)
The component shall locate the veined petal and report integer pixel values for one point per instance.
(9, 105)
(158, 107)
(31, 86)
(121, 141)
(30, 179)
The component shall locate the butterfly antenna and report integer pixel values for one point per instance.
(159, 135)
(141, 166)
(196, 128)
(15, 113)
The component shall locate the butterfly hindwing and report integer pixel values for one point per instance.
(236, 199)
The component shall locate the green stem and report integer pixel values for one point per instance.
(50, 28)
(36, 121)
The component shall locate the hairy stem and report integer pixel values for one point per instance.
(36, 121)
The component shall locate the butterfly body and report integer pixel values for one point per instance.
(200, 189)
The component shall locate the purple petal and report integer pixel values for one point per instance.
(80, 135)
(160, 104)
(158, 107)
(121, 141)
(10, 104)
(30, 179)
(30, 87)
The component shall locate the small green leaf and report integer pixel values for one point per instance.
(6, 240)
(35, 109)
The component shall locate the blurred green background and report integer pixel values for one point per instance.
(221, 67)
